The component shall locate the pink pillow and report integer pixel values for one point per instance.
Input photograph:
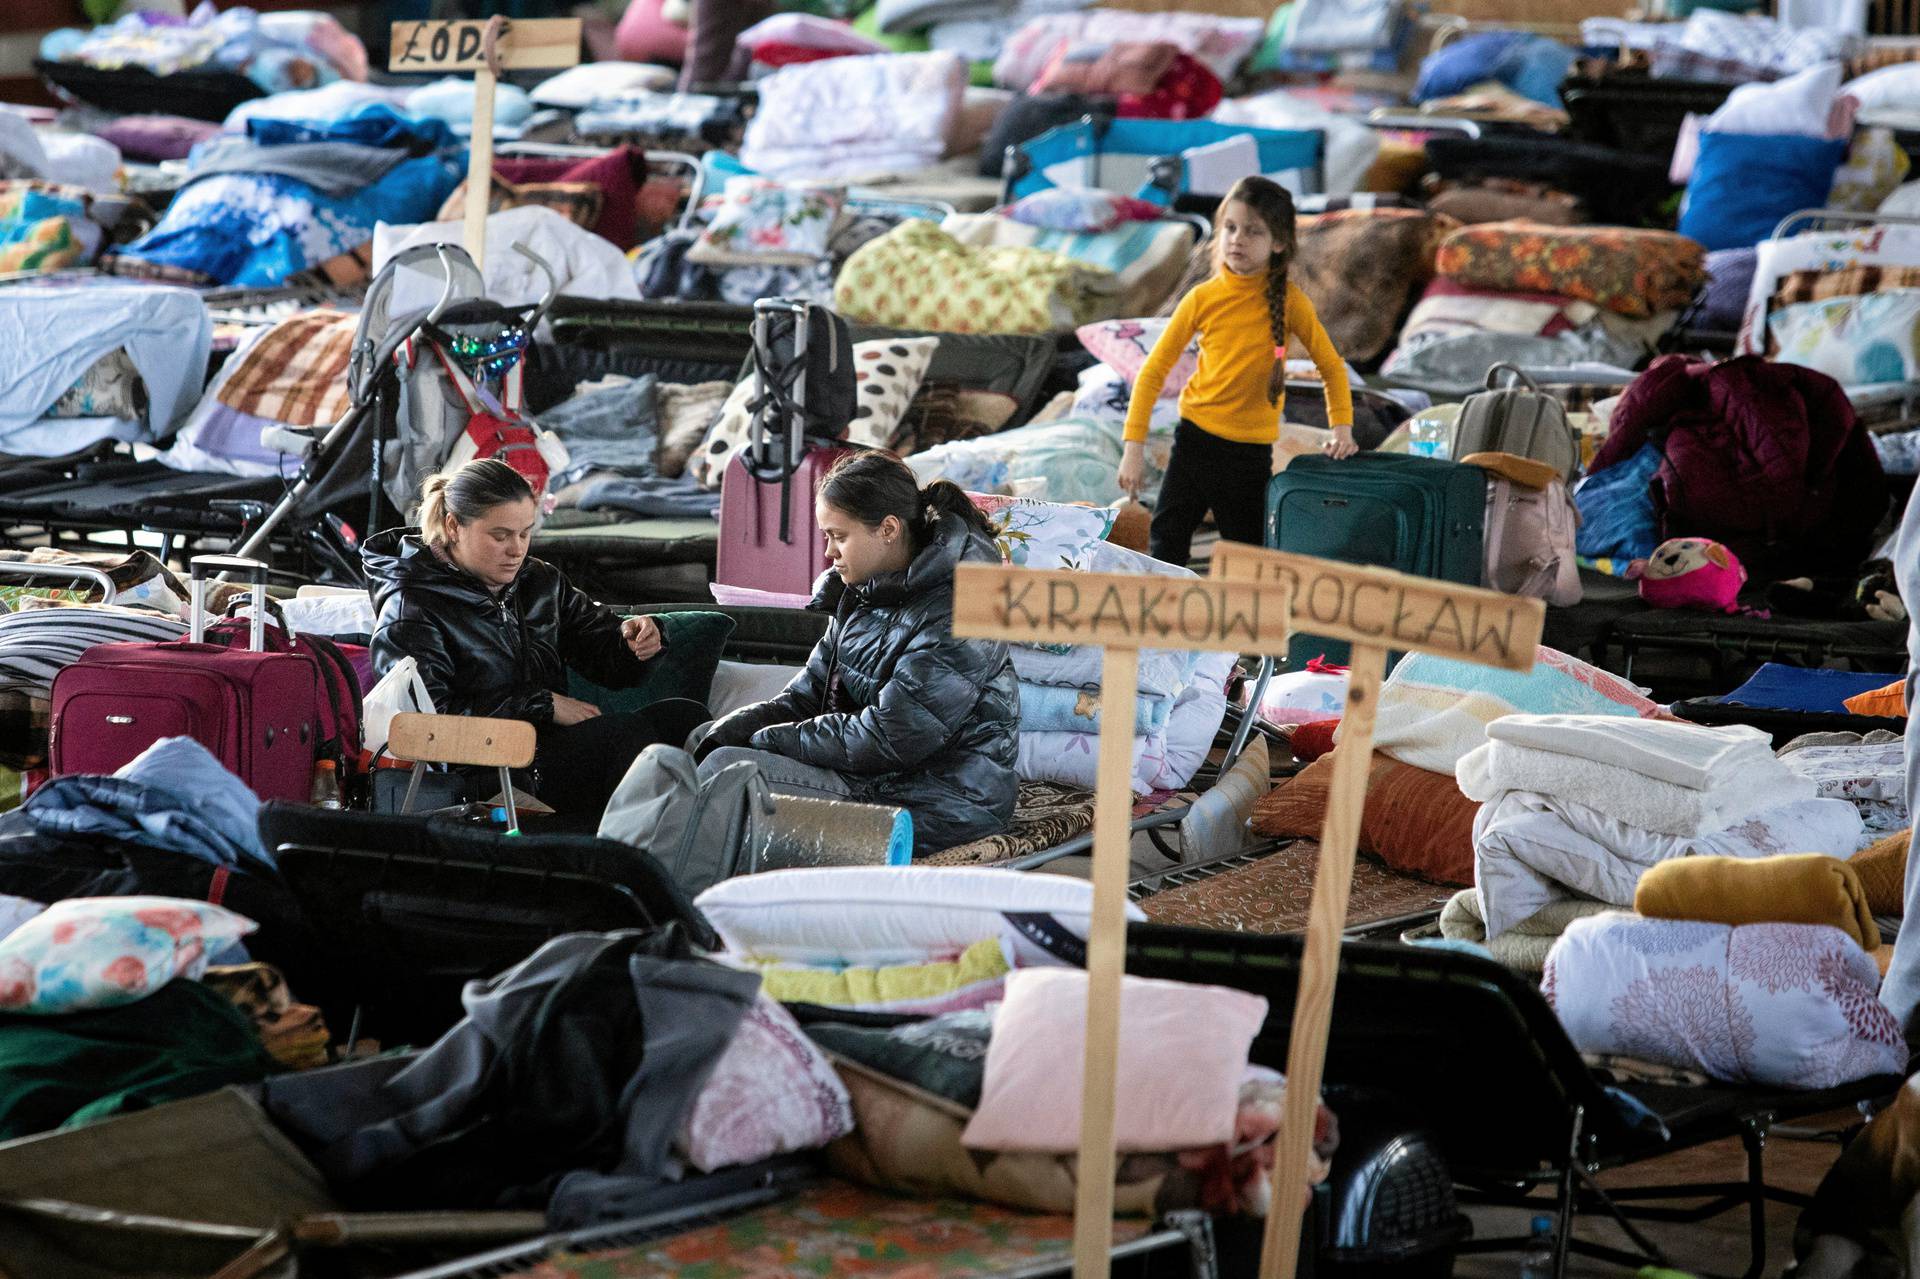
(1124, 345)
(644, 35)
(1167, 1100)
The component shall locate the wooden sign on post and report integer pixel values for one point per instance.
(485, 47)
(1122, 613)
(1248, 606)
(1375, 610)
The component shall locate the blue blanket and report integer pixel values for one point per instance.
(174, 796)
(256, 229)
(1047, 708)
(1777, 687)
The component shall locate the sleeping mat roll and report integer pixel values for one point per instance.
(834, 832)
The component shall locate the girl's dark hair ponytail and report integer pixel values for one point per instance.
(944, 497)
(872, 485)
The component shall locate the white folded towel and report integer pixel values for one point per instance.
(1626, 795)
(1689, 755)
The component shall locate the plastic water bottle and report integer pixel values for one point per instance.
(326, 785)
(1538, 1263)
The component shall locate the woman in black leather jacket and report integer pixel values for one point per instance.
(495, 631)
(892, 708)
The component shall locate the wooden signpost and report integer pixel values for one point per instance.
(1247, 606)
(485, 47)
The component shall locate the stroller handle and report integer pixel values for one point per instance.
(446, 286)
(553, 283)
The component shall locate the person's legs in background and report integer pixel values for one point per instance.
(581, 766)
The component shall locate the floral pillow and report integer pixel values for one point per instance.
(888, 373)
(1085, 211)
(771, 1093)
(1046, 534)
(1124, 345)
(101, 952)
(1854, 340)
(761, 222)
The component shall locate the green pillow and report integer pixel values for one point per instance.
(684, 669)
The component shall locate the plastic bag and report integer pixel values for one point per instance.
(400, 690)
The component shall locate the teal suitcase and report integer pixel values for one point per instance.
(1418, 515)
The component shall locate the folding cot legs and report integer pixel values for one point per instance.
(1576, 1190)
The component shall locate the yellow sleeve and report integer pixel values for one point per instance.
(1160, 362)
(1304, 323)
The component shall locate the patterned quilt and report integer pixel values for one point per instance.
(919, 277)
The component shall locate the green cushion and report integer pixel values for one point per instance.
(684, 669)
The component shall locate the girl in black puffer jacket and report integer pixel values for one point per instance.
(495, 632)
(891, 709)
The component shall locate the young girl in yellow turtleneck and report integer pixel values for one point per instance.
(1230, 409)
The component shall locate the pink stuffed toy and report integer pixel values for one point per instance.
(1693, 572)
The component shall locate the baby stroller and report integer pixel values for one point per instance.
(435, 379)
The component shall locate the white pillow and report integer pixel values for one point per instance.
(883, 915)
(577, 88)
(1893, 88)
(1798, 105)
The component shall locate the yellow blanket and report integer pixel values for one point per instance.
(1796, 888)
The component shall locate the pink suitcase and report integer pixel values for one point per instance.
(758, 548)
(804, 384)
(258, 713)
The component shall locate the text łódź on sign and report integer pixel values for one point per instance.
(523, 43)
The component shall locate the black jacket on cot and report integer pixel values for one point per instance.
(503, 656)
(890, 700)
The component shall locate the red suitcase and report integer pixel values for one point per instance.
(258, 713)
(803, 370)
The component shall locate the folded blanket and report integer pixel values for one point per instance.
(1624, 795)
(1781, 1005)
(1689, 755)
(1530, 850)
(1523, 947)
(1882, 868)
(1165, 759)
(1434, 710)
(1794, 888)
(855, 114)
(1047, 708)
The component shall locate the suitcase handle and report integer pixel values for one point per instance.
(198, 568)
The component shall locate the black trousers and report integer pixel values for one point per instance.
(1207, 473)
(580, 766)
